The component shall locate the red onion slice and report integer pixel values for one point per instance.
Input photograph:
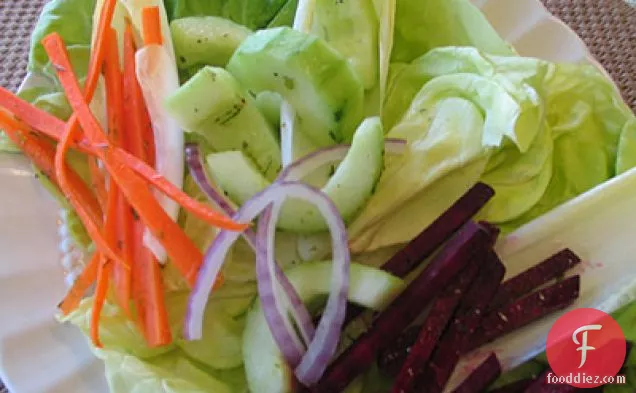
(268, 291)
(317, 159)
(325, 342)
(298, 310)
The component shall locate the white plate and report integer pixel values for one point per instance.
(38, 355)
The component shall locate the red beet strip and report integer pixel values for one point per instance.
(529, 280)
(484, 375)
(526, 310)
(466, 320)
(478, 298)
(460, 334)
(433, 236)
(519, 386)
(469, 241)
(390, 360)
(434, 325)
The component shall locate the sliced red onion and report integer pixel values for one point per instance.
(299, 312)
(319, 158)
(268, 293)
(325, 342)
(194, 160)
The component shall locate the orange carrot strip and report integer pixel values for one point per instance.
(140, 137)
(51, 126)
(98, 180)
(120, 231)
(184, 254)
(78, 203)
(195, 207)
(151, 25)
(81, 284)
(42, 155)
(148, 288)
(101, 289)
(58, 55)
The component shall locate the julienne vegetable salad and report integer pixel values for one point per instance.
(279, 196)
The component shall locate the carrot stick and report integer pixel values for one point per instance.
(151, 25)
(42, 155)
(118, 207)
(139, 135)
(101, 289)
(195, 207)
(98, 180)
(33, 117)
(78, 203)
(148, 288)
(81, 284)
(184, 254)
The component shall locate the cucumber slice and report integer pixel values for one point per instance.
(213, 105)
(206, 40)
(236, 175)
(323, 88)
(269, 104)
(349, 188)
(265, 367)
(351, 27)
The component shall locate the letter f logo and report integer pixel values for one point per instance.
(584, 347)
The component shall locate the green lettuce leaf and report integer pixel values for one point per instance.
(423, 25)
(254, 14)
(71, 19)
(548, 132)
(170, 373)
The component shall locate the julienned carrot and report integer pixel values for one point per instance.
(101, 289)
(151, 25)
(81, 284)
(182, 251)
(119, 229)
(54, 127)
(99, 48)
(195, 207)
(98, 180)
(78, 203)
(138, 139)
(149, 294)
(42, 155)
(38, 119)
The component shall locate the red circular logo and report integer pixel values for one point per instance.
(585, 348)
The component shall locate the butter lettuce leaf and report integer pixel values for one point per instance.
(423, 25)
(254, 14)
(547, 132)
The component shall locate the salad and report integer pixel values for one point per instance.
(304, 195)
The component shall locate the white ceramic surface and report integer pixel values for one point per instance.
(37, 355)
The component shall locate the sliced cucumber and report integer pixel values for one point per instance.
(236, 175)
(265, 367)
(269, 104)
(323, 88)
(349, 188)
(351, 27)
(213, 105)
(206, 40)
